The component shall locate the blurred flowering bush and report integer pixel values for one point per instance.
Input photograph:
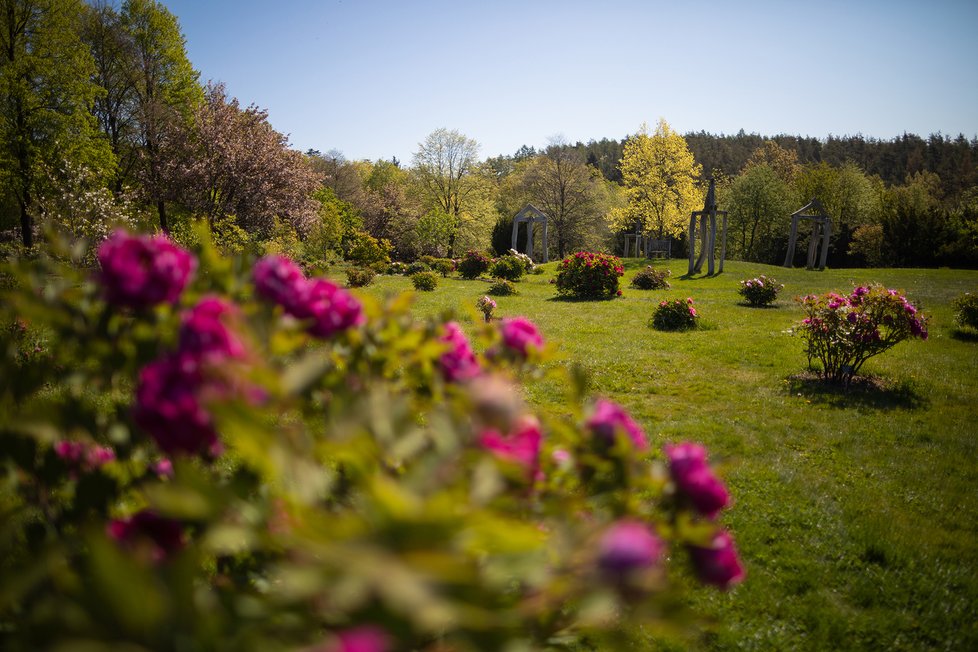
(675, 315)
(760, 291)
(843, 331)
(207, 459)
(966, 310)
(588, 275)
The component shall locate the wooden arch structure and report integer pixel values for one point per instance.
(532, 217)
(821, 231)
(708, 234)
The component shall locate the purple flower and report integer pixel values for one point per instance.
(163, 468)
(628, 546)
(79, 456)
(366, 638)
(718, 563)
(520, 335)
(204, 333)
(695, 479)
(164, 536)
(143, 271)
(279, 280)
(609, 418)
(330, 308)
(521, 447)
(458, 363)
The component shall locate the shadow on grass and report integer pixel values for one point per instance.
(572, 299)
(963, 335)
(698, 277)
(871, 392)
(770, 306)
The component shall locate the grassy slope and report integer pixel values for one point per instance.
(857, 515)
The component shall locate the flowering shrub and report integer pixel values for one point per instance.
(358, 277)
(760, 291)
(966, 310)
(843, 331)
(424, 281)
(397, 268)
(274, 465)
(651, 278)
(501, 288)
(509, 268)
(486, 305)
(142, 271)
(444, 266)
(473, 264)
(528, 265)
(675, 315)
(588, 275)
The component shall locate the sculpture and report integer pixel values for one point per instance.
(533, 217)
(821, 230)
(708, 236)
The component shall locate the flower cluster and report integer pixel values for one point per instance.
(520, 448)
(83, 457)
(651, 278)
(675, 315)
(458, 362)
(609, 419)
(760, 291)
(140, 271)
(589, 275)
(843, 331)
(528, 265)
(486, 305)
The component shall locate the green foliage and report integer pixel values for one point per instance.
(760, 291)
(966, 310)
(358, 277)
(761, 202)
(651, 278)
(502, 288)
(473, 264)
(444, 266)
(509, 268)
(425, 281)
(417, 266)
(364, 249)
(397, 268)
(587, 275)
(675, 315)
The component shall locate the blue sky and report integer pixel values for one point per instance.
(371, 78)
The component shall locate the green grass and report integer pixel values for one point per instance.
(856, 513)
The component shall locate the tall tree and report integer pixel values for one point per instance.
(445, 166)
(759, 205)
(659, 175)
(46, 93)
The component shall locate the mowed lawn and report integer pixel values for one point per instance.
(856, 513)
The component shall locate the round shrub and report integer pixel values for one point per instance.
(966, 310)
(426, 281)
(589, 275)
(502, 288)
(760, 291)
(358, 277)
(473, 265)
(417, 266)
(444, 266)
(510, 268)
(676, 315)
(397, 268)
(651, 279)
(526, 260)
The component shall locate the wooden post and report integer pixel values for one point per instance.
(827, 234)
(792, 241)
(692, 241)
(723, 242)
(712, 241)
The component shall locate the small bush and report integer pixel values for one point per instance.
(510, 268)
(760, 291)
(676, 315)
(651, 279)
(397, 268)
(426, 281)
(444, 266)
(358, 277)
(966, 310)
(588, 275)
(428, 260)
(418, 266)
(526, 260)
(842, 332)
(473, 265)
(486, 305)
(502, 288)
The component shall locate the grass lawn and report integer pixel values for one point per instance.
(856, 514)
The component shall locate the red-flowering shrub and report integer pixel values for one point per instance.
(473, 265)
(588, 275)
(675, 315)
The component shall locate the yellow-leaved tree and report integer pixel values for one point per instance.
(660, 178)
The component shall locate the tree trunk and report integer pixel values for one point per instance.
(161, 209)
(26, 223)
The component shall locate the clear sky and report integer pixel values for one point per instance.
(371, 78)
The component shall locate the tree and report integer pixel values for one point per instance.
(783, 162)
(759, 204)
(659, 175)
(445, 166)
(46, 92)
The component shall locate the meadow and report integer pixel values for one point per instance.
(856, 512)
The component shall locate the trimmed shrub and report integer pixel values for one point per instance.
(358, 277)
(473, 265)
(651, 279)
(418, 266)
(426, 281)
(588, 275)
(676, 315)
(523, 258)
(502, 288)
(760, 291)
(843, 331)
(510, 268)
(966, 310)
(444, 266)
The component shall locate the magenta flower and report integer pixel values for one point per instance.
(718, 564)
(164, 536)
(330, 308)
(79, 456)
(609, 418)
(520, 335)
(140, 271)
(458, 363)
(628, 546)
(695, 480)
(521, 447)
(163, 468)
(366, 638)
(204, 332)
(279, 280)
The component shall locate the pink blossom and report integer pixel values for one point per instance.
(164, 536)
(279, 280)
(718, 563)
(609, 418)
(331, 308)
(628, 546)
(163, 468)
(521, 447)
(366, 638)
(140, 271)
(204, 331)
(80, 456)
(458, 363)
(520, 335)
(695, 480)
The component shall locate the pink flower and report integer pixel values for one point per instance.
(69, 451)
(164, 536)
(458, 363)
(279, 280)
(331, 308)
(521, 447)
(98, 456)
(520, 335)
(718, 563)
(143, 271)
(609, 418)
(366, 638)
(618, 293)
(163, 468)
(204, 331)
(695, 479)
(80, 456)
(628, 546)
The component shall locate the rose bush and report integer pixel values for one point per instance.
(651, 278)
(282, 464)
(473, 264)
(675, 315)
(587, 275)
(760, 291)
